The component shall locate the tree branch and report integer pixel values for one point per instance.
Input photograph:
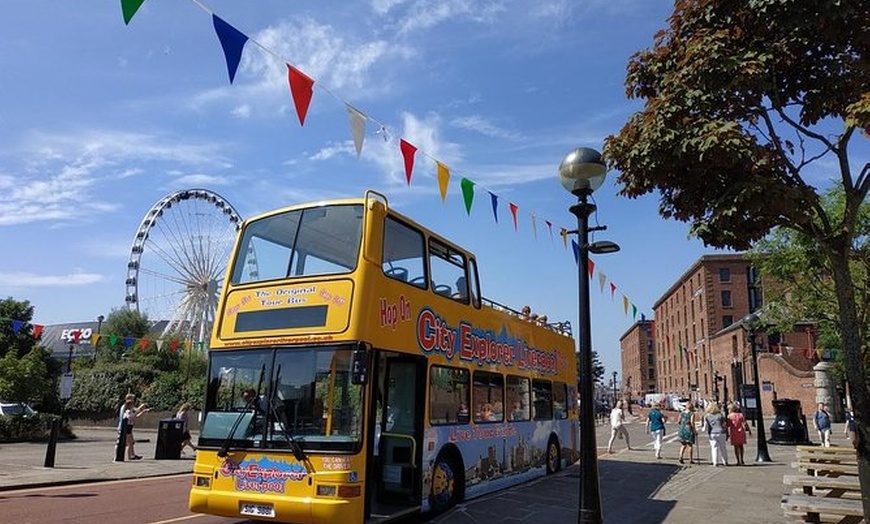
(821, 138)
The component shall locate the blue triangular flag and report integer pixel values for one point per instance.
(575, 247)
(232, 41)
(494, 200)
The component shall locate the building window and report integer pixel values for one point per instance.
(724, 274)
(727, 320)
(726, 298)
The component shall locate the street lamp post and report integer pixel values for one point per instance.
(69, 359)
(581, 172)
(750, 324)
(614, 388)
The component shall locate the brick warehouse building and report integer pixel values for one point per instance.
(638, 360)
(700, 349)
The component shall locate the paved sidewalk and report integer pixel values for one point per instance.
(635, 487)
(88, 458)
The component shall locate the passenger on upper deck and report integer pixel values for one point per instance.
(527, 311)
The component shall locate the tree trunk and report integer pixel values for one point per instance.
(854, 367)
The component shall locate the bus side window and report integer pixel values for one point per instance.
(403, 257)
(542, 400)
(560, 397)
(448, 395)
(518, 397)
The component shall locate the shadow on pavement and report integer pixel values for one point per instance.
(626, 489)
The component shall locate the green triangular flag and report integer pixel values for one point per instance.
(467, 193)
(129, 7)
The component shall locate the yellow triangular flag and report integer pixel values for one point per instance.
(443, 180)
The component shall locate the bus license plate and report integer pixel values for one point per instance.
(257, 510)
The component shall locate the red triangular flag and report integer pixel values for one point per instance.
(514, 214)
(591, 266)
(37, 330)
(408, 151)
(301, 87)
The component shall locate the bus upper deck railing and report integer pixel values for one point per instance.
(563, 328)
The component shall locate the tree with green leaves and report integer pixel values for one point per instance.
(19, 342)
(120, 325)
(597, 368)
(799, 286)
(27, 371)
(748, 106)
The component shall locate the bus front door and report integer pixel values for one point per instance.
(401, 435)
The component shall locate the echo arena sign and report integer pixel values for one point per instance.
(76, 335)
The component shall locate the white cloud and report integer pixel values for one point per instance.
(242, 111)
(484, 127)
(422, 133)
(62, 174)
(385, 6)
(32, 280)
(202, 180)
(332, 150)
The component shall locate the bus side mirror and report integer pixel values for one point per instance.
(359, 367)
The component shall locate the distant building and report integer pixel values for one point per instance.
(700, 348)
(638, 360)
(73, 340)
(63, 340)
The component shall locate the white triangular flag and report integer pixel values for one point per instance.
(357, 127)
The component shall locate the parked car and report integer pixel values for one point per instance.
(16, 408)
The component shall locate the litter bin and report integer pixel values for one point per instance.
(790, 426)
(170, 434)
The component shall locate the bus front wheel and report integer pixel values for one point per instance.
(554, 461)
(446, 483)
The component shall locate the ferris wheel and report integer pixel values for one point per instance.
(178, 260)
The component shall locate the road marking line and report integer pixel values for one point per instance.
(179, 519)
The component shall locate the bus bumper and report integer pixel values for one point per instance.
(295, 510)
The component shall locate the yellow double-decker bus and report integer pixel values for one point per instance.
(357, 375)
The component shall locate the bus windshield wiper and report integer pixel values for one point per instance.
(251, 405)
(295, 447)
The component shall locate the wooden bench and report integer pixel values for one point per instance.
(835, 487)
(829, 469)
(844, 511)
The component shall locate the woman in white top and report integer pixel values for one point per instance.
(617, 426)
(130, 413)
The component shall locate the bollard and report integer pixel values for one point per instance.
(51, 450)
(121, 445)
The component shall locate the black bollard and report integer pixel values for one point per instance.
(51, 450)
(121, 445)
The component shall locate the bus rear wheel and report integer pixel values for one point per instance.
(554, 461)
(446, 483)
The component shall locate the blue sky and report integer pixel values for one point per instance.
(99, 120)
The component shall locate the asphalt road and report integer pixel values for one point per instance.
(160, 500)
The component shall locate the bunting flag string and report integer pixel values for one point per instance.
(301, 85)
(113, 340)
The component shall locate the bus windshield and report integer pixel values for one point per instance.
(314, 241)
(282, 395)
